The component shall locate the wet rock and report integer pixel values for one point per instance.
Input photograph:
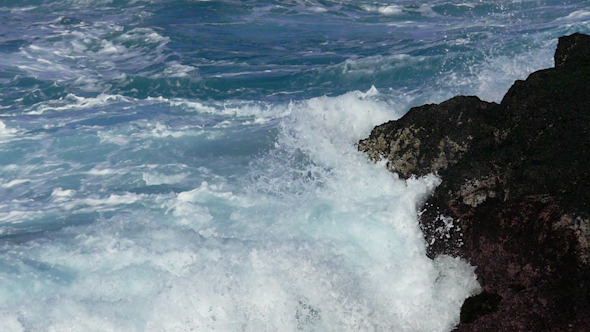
(430, 138)
(573, 50)
(515, 197)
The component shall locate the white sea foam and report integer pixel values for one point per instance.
(174, 69)
(9, 322)
(108, 137)
(13, 216)
(100, 203)
(350, 224)
(103, 171)
(190, 207)
(383, 9)
(491, 79)
(74, 102)
(145, 35)
(576, 16)
(161, 130)
(60, 195)
(298, 232)
(13, 183)
(262, 112)
(314, 238)
(6, 134)
(154, 179)
(92, 53)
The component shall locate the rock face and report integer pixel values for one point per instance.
(515, 195)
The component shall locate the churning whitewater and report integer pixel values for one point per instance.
(191, 165)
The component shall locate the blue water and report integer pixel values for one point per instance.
(190, 165)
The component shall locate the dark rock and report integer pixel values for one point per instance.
(573, 50)
(431, 138)
(515, 197)
(479, 305)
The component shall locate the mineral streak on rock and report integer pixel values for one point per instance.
(515, 196)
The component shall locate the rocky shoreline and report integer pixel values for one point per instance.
(515, 198)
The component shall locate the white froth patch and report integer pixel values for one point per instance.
(102, 203)
(140, 131)
(93, 53)
(103, 171)
(145, 35)
(114, 138)
(191, 105)
(261, 112)
(74, 102)
(174, 69)
(576, 16)
(491, 79)
(334, 246)
(9, 322)
(387, 10)
(13, 183)
(18, 216)
(318, 9)
(497, 74)
(206, 193)
(6, 134)
(161, 130)
(348, 214)
(60, 195)
(343, 120)
(155, 179)
(108, 48)
(191, 207)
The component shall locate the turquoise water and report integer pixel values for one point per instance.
(190, 165)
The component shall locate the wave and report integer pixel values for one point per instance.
(173, 165)
(321, 239)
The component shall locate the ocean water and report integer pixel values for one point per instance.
(190, 165)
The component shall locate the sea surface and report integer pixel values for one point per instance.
(191, 165)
